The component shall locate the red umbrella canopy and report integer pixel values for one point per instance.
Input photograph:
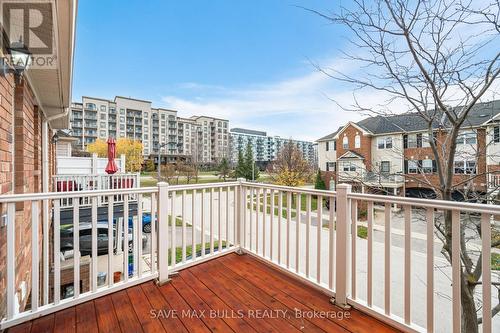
(111, 167)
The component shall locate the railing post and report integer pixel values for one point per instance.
(162, 233)
(240, 202)
(342, 248)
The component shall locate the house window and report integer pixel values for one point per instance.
(348, 166)
(412, 141)
(384, 143)
(103, 116)
(357, 141)
(427, 166)
(91, 106)
(122, 111)
(467, 138)
(496, 134)
(331, 166)
(465, 167)
(103, 108)
(385, 166)
(345, 143)
(327, 146)
(412, 166)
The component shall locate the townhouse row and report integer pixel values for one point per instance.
(392, 154)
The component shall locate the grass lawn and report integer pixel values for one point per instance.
(178, 221)
(189, 252)
(495, 261)
(303, 204)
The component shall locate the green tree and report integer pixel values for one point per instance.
(224, 169)
(319, 183)
(252, 172)
(240, 171)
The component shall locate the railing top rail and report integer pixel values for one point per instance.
(93, 193)
(428, 203)
(325, 193)
(134, 174)
(75, 194)
(202, 186)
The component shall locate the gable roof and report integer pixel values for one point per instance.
(351, 155)
(481, 114)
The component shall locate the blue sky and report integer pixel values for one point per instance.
(248, 61)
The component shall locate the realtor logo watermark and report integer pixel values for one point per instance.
(29, 24)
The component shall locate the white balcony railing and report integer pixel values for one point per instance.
(75, 183)
(287, 227)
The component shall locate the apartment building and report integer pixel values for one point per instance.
(163, 131)
(265, 148)
(392, 154)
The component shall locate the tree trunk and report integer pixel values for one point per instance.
(469, 314)
(469, 321)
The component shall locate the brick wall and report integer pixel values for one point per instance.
(6, 166)
(365, 147)
(20, 133)
(479, 182)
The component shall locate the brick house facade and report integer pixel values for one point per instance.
(33, 106)
(397, 157)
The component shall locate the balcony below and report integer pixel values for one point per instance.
(228, 294)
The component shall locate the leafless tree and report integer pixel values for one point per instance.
(427, 56)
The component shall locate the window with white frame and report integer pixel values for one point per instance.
(330, 166)
(467, 138)
(412, 141)
(427, 166)
(357, 141)
(496, 134)
(385, 166)
(465, 167)
(345, 143)
(384, 143)
(425, 140)
(412, 166)
(348, 166)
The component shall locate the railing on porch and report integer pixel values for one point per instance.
(73, 183)
(289, 228)
(381, 178)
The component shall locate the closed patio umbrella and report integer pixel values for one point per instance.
(111, 168)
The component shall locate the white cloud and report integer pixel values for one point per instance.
(299, 107)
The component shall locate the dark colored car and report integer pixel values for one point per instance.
(86, 239)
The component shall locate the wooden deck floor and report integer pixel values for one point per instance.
(229, 294)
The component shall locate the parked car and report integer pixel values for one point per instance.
(66, 238)
(146, 222)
